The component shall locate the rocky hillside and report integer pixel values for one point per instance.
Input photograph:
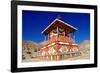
(30, 50)
(85, 49)
(85, 44)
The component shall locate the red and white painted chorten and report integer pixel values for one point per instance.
(59, 43)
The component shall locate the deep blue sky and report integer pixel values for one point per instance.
(34, 22)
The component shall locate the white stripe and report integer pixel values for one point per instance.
(74, 44)
(64, 43)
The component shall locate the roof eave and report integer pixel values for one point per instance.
(48, 26)
(60, 21)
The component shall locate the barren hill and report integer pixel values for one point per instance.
(85, 44)
(30, 50)
(85, 49)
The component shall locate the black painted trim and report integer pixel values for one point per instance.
(14, 5)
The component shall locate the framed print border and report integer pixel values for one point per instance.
(14, 33)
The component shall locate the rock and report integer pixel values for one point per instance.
(30, 50)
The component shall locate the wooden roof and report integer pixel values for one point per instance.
(59, 23)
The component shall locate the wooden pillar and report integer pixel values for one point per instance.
(47, 57)
(64, 34)
(58, 57)
(62, 56)
(51, 57)
(57, 32)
